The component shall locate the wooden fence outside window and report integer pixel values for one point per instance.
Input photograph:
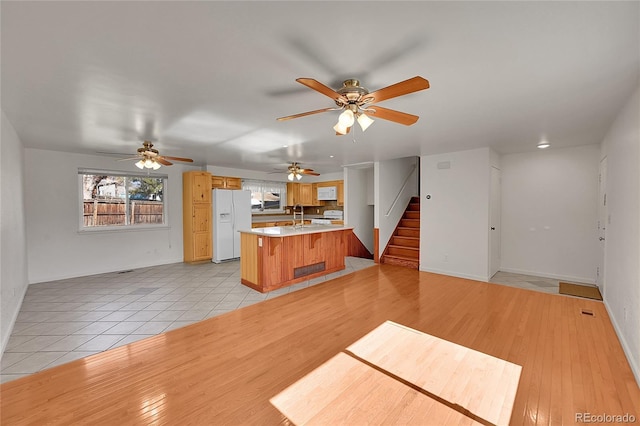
(112, 212)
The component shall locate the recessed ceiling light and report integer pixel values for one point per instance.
(544, 144)
(285, 146)
(331, 156)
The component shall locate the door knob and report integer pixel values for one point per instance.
(601, 238)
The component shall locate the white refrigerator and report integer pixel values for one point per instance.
(231, 213)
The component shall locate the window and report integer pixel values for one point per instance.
(267, 197)
(112, 200)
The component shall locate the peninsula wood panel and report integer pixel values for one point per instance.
(250, 263)
(224, 370)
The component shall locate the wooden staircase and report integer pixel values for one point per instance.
(404, 246)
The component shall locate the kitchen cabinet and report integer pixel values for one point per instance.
(226, 182)
(196, 216)
(314, 194)
(340, 189)
(293, 193)
(306, 194)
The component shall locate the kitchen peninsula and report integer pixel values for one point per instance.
(279, 256)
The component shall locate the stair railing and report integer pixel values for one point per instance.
(406, 180)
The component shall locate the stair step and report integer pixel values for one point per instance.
(411, 214)
(408, 252)
(400, 261)
(413, 207)
(410, 223)
(415, 200)
(405, 241)
(408, 232)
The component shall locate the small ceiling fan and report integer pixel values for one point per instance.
(357, 102)
(294, 171)
(150, 158)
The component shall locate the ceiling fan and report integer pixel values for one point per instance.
(294, 171)
(357, 102)
(150, 158)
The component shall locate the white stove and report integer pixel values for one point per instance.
(327, 217)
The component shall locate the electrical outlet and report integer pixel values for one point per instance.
(317, 211)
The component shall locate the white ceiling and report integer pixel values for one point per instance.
(207, 79)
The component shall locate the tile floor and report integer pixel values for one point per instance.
(528, 282)
(61, 321)
(64, 320)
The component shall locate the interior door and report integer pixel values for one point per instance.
(494, 221)
(602, 222)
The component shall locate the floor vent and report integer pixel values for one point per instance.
(308, 270)
(587, 312)
(125, 272)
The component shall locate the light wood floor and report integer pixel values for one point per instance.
(225, 369)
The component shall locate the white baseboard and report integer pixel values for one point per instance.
(585, 280)
(5, 339)
(633, 363)
(455, 274)
(135, 265)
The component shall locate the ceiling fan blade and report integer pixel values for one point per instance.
(130, 158)
(403, 88)
(319, 87)
(162, 161)
(167, 157)
(391, 115)
(309, 172)
(303, 114)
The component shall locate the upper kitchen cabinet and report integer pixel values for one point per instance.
(225, 182)
(306, 194)
(314, 194)
(293, 193)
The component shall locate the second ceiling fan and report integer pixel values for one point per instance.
(357, 102)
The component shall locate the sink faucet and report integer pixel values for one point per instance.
(301, 214)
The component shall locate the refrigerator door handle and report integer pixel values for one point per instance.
(233, 213)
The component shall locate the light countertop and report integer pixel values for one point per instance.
(288, 231)
(282, 218)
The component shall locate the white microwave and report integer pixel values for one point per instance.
(327, 193)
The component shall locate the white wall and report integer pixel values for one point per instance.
(13, 251)
(389, 176)
(356, 212)
(56, 249)
(549, 213)
(454, 222)
(621, 146)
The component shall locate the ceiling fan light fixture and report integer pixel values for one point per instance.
(140, 164)
(290, 176)
(298, 176)
(346, 119)
(364, 121)
(156, 165)
(339, 128)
